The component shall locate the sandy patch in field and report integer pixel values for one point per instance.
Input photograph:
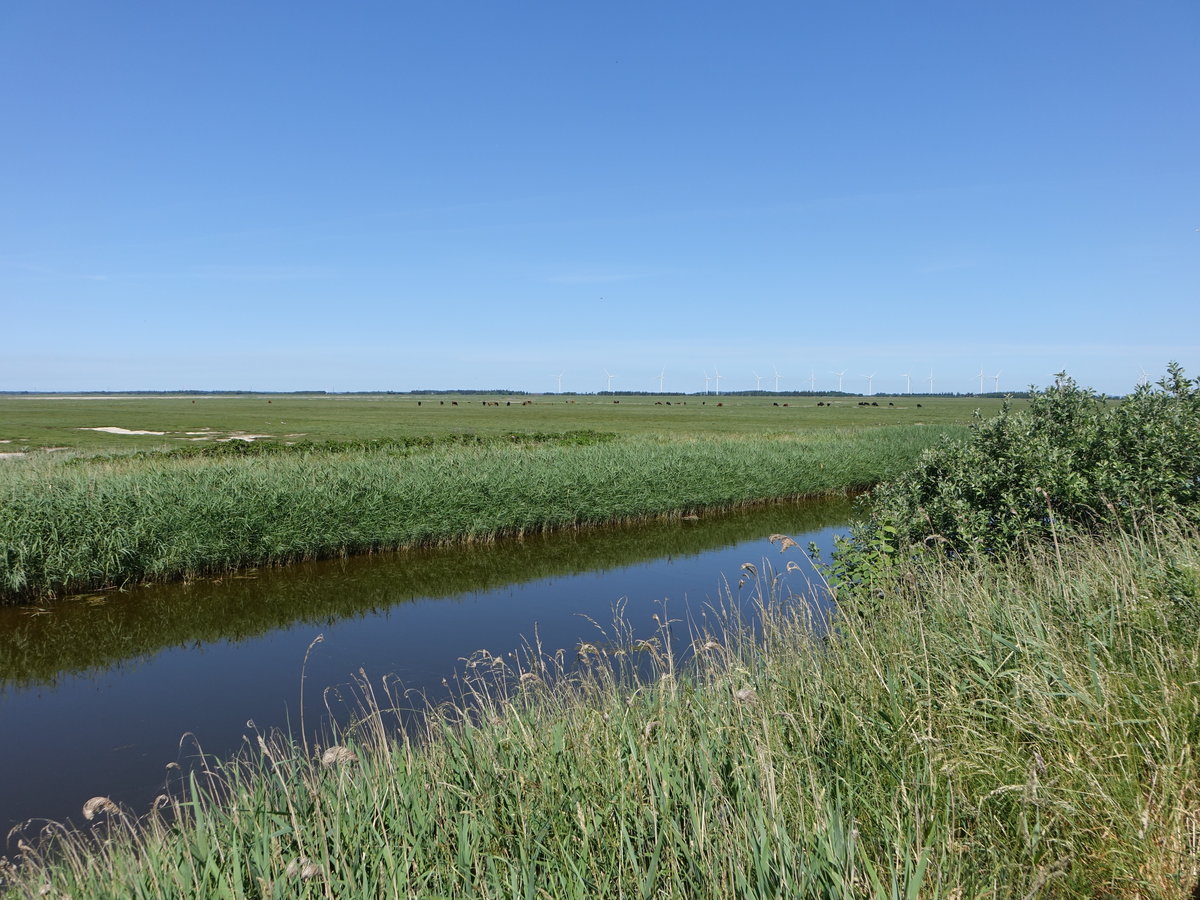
(205, 435)
(113, 429)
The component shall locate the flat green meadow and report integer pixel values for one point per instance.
(43, 421)
(104, 491)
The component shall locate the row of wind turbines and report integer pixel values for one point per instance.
(812, 381)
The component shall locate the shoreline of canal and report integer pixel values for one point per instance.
(76, 525)
(104, 688)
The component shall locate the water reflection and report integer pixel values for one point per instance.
(101, 690)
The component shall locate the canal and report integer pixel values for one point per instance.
(99, 694)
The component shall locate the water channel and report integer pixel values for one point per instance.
(96, 693)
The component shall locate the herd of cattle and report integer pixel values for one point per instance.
(656, 403)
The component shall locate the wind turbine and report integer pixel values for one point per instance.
(611, 376)
(870, 382)
(705, 382)
(717, 377)
(981, 379)
(560, 375)
(839, 375)
(908, 381)
(931, 381)
(662, 375)
(996, 379)
(776, 379)
(812, 381)
(1145, 379)
(757, 382)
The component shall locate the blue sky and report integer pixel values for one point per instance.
(390, 196)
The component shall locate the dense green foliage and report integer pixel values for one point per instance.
(1025, 727)
(68, 527)
(392, 445)
(1068, 461)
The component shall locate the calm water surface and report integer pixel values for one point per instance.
(97, 693)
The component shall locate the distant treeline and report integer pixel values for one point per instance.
(492, 392)
(190, 393)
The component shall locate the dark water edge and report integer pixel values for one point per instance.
(97, 693)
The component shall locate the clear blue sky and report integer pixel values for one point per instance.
(400, 195)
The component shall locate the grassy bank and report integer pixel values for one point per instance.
(1024, 727)
(69, 525)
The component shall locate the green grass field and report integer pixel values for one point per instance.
(339, 475)
(41, 422)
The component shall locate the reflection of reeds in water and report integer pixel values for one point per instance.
(73, 637)
(70, 526)
(1019, 728)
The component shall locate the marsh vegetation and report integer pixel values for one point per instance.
(70, 525)
(1024, 727)
(1003, 703)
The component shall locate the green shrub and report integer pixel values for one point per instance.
(1071, 461)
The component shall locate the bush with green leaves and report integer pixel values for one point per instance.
(1070, 461)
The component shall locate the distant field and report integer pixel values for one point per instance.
(69, 524)
(31, 423)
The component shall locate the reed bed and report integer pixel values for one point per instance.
(70, 525)
(1023, 727)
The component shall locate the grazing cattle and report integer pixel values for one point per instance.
(918, 406)
(418, 403)
(616, 401)
(776, 404)
(787, 404)
(268, 401)
(668, 402)
(720, 404)
(891, 404)
(441, 403)
(658, 403)
(454, 403)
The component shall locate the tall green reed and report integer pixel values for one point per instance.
(67, 526)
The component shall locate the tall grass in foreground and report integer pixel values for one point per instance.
(68, 526)
(1021, 728)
